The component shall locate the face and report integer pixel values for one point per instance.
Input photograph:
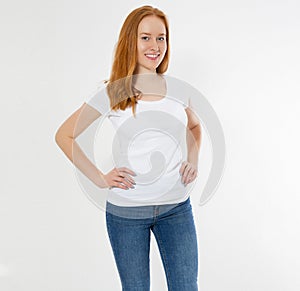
(151, 44)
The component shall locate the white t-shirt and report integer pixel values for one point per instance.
(152, 145)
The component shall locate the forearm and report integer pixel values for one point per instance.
(75, 154)
(193, 144)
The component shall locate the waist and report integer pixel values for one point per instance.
(144, 211)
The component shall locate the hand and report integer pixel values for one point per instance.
(188, 172)
(118, 177)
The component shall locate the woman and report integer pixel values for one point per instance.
(138, 204)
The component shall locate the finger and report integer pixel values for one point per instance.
(186, 173)
(120, 185)
(120, 172)
(128, 183)
(192, 174)
(182, 168)
(187, 181)
(124, 181)
(130, 179)
(195, 174)
(191, 177)
(126, 177)
(126, 170)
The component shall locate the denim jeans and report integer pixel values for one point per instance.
(175, 233)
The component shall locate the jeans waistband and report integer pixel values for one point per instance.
(141, 212)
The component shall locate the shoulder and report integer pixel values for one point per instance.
(177, 90)
(99, 99)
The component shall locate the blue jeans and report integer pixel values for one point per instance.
(174, 230)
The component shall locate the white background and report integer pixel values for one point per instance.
(242, 55)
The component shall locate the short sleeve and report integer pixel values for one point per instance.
(189, 103)
(184, 101)
(185, 104)
(176, 90)
(99, 99)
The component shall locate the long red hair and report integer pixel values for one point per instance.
(120, 87)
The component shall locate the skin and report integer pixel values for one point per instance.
(83, 117)
(151, 40)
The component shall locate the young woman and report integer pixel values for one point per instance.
(139, 203)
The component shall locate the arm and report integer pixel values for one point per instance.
(193, 137)
(65, 139)
(189, 168)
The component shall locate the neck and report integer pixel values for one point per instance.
(142, 71)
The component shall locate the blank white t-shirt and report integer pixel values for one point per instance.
(152, 145)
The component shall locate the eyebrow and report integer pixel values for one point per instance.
(150, 33)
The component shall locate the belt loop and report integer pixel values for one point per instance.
(156, 211)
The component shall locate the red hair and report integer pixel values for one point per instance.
(120, 87)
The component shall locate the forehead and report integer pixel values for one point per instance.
(152, 24)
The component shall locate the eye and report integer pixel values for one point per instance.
(161, 38)
(144, 37)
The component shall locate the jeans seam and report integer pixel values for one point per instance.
(165, 259)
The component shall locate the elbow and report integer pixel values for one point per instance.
(60, 136)
(196, 127)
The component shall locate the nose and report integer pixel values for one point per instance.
(154, 45)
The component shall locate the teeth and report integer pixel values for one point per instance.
(152, 56)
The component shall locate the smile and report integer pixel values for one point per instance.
(152, 57)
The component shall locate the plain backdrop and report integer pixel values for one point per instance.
(243, 56)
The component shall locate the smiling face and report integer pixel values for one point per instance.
(151, 44)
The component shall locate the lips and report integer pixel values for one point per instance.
(152, 57)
